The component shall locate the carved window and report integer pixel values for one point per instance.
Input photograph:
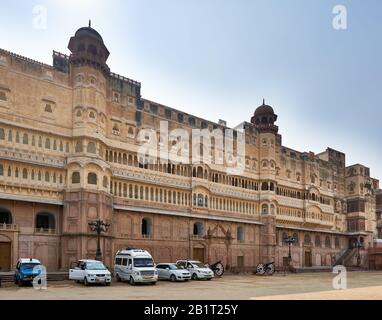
(198, 229)
(40, 142)
(47, 177)
(337, 242)
(91, 115)
(10, 137)
(16, 172)
(2, 134)
(3, 96)
(106, 183)
(327, 242)
(317, 241)
(47, 143)
(76, 178)
(240, 234)
(48, 108)
(25, 139)
(54, 145)
(146, 227)
(25, 173)
(307, 239)
(91, 148)
(1, 170)
(79, 114)
(92, 178)
(79, 146)
(45, 221)
(17, 137)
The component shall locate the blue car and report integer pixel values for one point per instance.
(25, 272)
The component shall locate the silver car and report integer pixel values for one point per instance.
(169, 271)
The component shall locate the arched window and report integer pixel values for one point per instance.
(1, 170)
(25, 139)
(337, 242)
(307, 239)
(76, 178)
(2, 134)
(264, 186)
(92, 178)
(47, 176)
(45, 220)
(5, 216)
(317, 241)
(198, 229)
(91, 115)
(25, 173)
(78, 147)
(92, 148)
(297, 240)
(47, 143)
(146, 227)
(79, 114)
(327, 242)
(284, 237)
(240, 233)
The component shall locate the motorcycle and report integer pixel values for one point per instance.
(217, 268)
(267, 268)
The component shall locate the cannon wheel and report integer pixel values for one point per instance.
(271, 269)
(260, 269)
(219, 270)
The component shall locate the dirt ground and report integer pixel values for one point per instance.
(360, 285)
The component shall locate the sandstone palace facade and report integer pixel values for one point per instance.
(68, 156)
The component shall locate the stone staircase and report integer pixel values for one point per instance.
(345, 257)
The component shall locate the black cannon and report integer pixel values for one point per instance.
(267, 268)
(217, 268)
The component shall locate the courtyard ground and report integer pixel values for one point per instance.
(361, 285)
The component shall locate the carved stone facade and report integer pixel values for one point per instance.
(68, 156)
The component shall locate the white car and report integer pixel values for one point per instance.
(170, 271)
(197, 269)
(90, 271)
(135, 266)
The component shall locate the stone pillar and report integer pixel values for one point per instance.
(268, 239)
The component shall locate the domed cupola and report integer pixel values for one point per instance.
(88, 48)
(264, 119)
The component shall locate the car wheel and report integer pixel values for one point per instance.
(107, 284)
(86, 283)
(118, 277)
(20, 282)
(209, 278)
(153, 283)
(173, 278)
(132, 282)
(194, 276)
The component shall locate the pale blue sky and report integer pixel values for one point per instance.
(219, 58)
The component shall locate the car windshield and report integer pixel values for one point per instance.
(95, 266)
(174, 267)
(29, 265)
(198, 265)
(143, 262)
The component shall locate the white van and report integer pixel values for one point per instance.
(135, 266)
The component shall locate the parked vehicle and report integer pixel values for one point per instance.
(217, 268)
(197, 269)
(90, 271)
(170, 271)
(268, 268)
(135, 266)
(26, 270)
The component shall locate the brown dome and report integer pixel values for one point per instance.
(88, 31)
(264, 109)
